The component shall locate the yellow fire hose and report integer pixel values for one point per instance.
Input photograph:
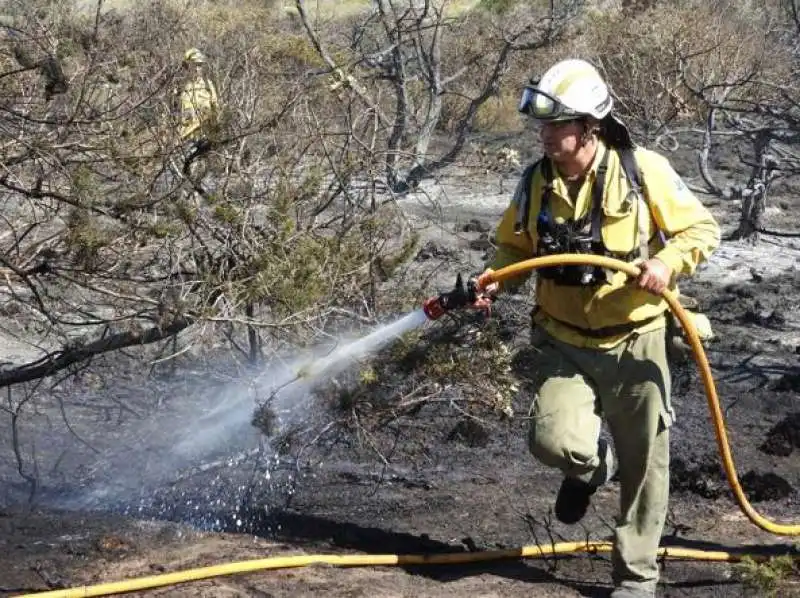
(365, 560)
(533, 551)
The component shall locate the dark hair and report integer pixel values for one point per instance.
(591, 127)
(614, 132)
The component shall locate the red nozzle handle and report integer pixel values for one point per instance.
(433, 308)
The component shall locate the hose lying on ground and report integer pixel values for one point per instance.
(534, 551)
(367, 560)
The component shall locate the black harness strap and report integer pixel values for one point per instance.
(595, 214)
(631, 170)
(522, 194)
(632, 174)
(598, 191)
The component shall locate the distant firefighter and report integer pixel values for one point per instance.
(199, 107)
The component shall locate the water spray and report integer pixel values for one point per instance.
(271, 416)
(267, 416)
(284, 402)
(224, 430)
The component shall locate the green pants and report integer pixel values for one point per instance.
(628, 386)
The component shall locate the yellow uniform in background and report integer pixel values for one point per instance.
(199, 110)
(198, 103)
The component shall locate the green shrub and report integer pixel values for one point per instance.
(769, 577)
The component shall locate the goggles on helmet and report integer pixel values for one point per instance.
(543, 106)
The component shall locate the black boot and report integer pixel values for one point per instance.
(573, 500)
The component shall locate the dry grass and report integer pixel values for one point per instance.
(500, 114)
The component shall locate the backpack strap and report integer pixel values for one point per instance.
(522, 194)
(634, 176)
(598, 190)
(522, 197)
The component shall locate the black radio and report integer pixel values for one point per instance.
(567, 237)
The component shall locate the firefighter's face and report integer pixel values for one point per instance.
(562, 139)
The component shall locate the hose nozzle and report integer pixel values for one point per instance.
(460, 296)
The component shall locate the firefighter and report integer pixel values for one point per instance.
(600, 337)
(198, 104)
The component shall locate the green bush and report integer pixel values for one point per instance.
(769, 577)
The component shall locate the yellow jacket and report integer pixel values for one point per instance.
(692, 234)
(199, 106)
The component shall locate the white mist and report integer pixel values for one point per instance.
(161, 448)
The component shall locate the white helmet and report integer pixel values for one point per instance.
(194, 56)
(569, 89)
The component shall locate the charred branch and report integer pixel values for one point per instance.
(59, 360)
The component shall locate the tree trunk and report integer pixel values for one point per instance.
(253, 339)
(753, 206)
(754, 196)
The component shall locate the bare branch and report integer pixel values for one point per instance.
(344, 79)
(60, 360)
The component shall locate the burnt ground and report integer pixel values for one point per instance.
(434, 480)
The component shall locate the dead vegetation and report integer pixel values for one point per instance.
(721, 71)
(463, 367)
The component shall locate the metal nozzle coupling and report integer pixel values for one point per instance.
(459, 297)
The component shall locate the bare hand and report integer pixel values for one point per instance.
(654, 277)
(491, 289)
(482, 303)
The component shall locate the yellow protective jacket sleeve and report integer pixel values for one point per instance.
(691, 233)
(199, 108)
